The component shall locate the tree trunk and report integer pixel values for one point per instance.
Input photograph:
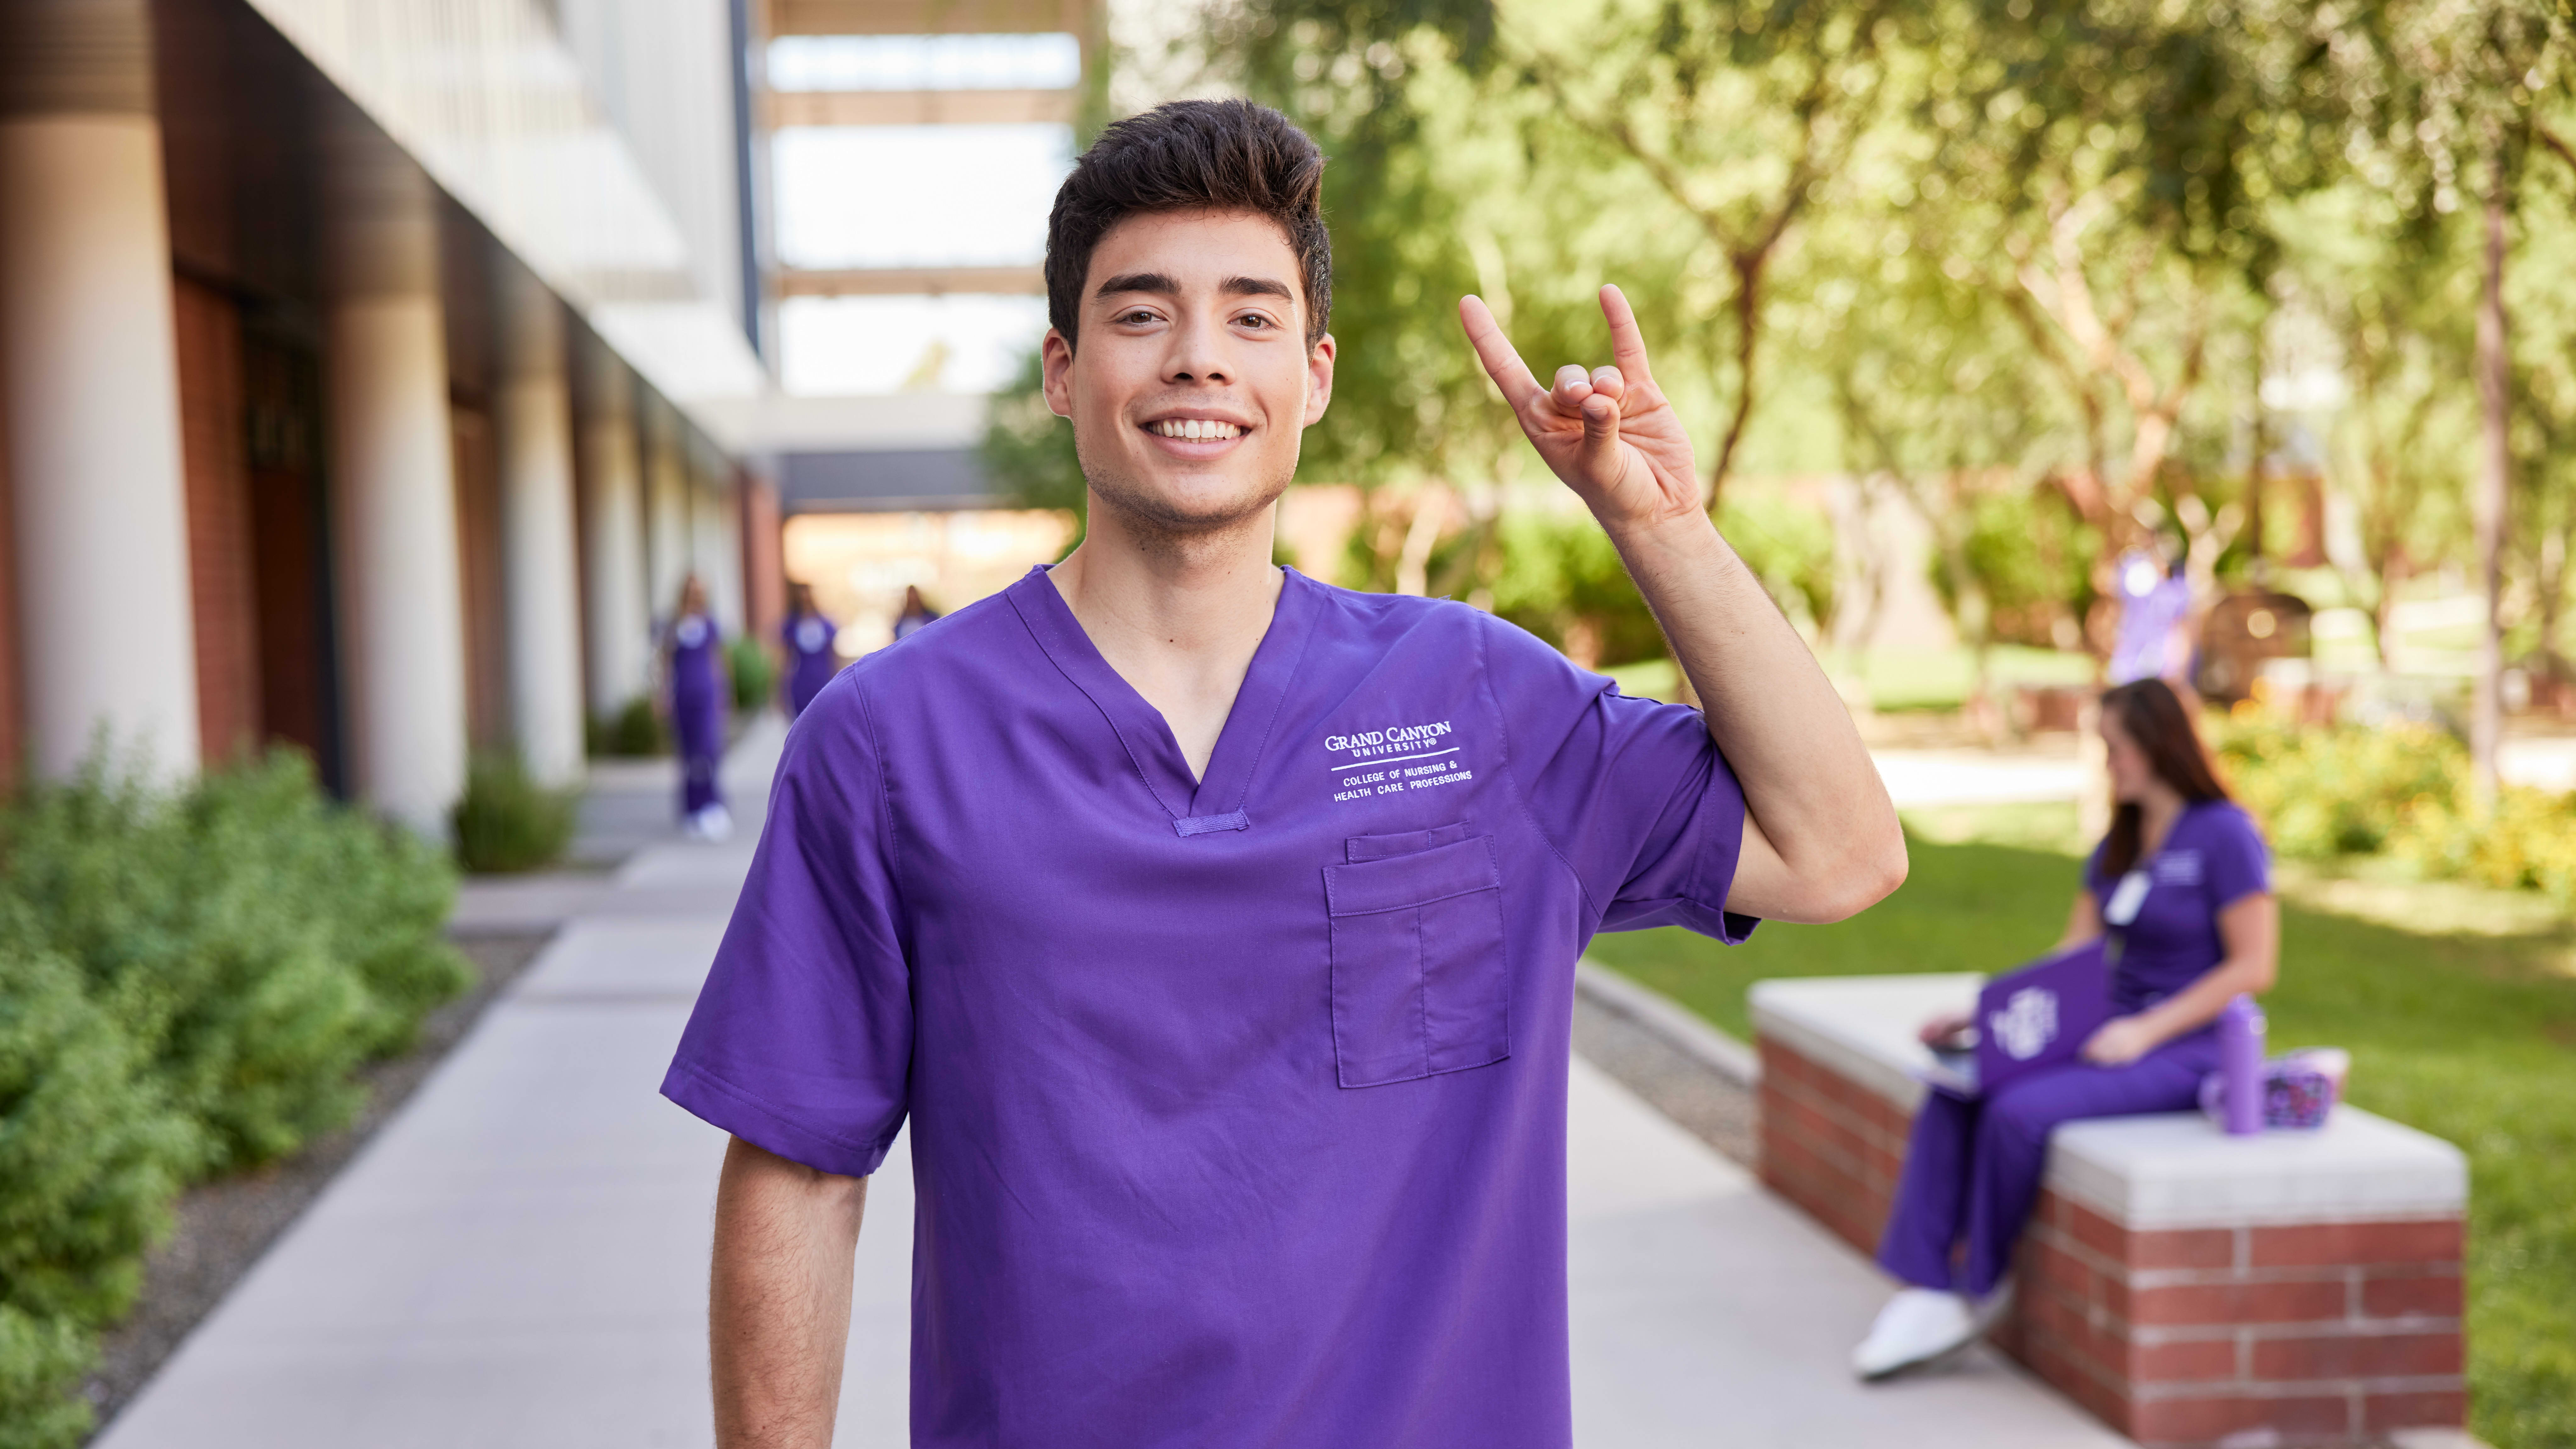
(2487, 508)
(1748, 338)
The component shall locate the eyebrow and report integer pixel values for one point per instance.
(1163, 285)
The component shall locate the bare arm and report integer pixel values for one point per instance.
(2084, 923)
(1821, 839)
(778, 1314)
(2249, 931)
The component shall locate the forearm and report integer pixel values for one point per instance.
(2199, 1004)
(779, 1299)
(1808, 782)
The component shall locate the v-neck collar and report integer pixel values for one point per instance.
(1197, 806)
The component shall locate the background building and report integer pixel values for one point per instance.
(373, 371)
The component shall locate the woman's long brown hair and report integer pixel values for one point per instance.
(2153, 716)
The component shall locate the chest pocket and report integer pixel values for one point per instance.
(1419, 982)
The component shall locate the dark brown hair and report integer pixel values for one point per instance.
(1182, 156)
(2151, 714)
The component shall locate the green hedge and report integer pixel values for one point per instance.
(754, 673)
(189, 979)
(2401, 790)
(506, 821)
(634, 731)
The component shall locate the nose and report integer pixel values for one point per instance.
(1197, 352)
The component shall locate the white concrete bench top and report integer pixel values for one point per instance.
(2173, 1170)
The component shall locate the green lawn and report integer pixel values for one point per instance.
(2468, 1036)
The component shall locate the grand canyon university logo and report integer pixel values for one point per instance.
(2027, 1024)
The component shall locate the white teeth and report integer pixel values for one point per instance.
(1196, 429)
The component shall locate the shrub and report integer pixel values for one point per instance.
(2401, 789)
(1562, 579)
(2528, 843)
(1789, 546)
(41, 1364)
(187, 978)
(635, 730)
(90, 1157)
(2340, 791)
(755, 675)
(255, 940)
(506, 821)
(90, 1154)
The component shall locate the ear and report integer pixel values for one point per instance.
(1319, 379)
(1055, 361)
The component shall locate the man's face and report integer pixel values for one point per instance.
(1193, 380)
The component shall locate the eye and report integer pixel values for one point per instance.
(1136, 315)
(1255, 321)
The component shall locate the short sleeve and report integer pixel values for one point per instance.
(2234, 861)
(1631, 793)
(801, 1042)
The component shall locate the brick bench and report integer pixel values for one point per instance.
(2188, 1287)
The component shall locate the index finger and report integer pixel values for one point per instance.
(1502, 364)
(1627, 344)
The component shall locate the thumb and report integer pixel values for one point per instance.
(1599, 456)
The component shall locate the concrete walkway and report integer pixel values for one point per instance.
(519, 1258)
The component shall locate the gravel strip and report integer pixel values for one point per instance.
(222, 1227)
(1711, 1106)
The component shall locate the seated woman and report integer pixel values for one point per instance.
(2182, 885)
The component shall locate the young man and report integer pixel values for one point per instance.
(1215, 928)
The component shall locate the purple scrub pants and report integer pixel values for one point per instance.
(698, 717)
(1973, 1169)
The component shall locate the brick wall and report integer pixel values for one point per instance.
(216, 457)
(1830, 1145)
(2305, 1333)
(764, 571)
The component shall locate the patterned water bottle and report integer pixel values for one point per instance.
(2240, 1064)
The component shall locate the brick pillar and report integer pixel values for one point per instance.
(764, 570)
(220, 567)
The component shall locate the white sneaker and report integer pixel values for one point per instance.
(1916, 1327)
(714, 823)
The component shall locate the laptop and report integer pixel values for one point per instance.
(2033, 1017)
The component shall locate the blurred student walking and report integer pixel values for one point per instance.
(698, 682)
(811, 659)
(2182, 888)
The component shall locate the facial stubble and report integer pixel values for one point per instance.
(1161, 523)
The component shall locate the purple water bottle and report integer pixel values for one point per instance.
(2240, 1064)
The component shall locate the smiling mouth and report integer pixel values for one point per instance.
(1195, 430)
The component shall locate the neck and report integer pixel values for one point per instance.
(2157, 810)
(1136, 587)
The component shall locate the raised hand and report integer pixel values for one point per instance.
(1611, 434)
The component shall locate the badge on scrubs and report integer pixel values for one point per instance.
(2122, 908)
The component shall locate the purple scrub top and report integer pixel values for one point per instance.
(700, 683)
(809, 643)
(1239, 1104)
(2211, 859)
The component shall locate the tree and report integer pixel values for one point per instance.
(2459, 84)
(2121, 160)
